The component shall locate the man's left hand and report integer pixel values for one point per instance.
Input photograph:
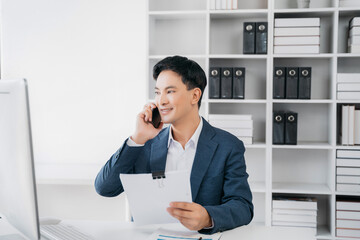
(192, 215)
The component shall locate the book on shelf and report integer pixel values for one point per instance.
(354, 40)
(354, 31)
(297, 22)
(348, 171)
(348, 77)
(240, 132)
(354, 49)
(341, 232)
(230, 117)
(294, 224)
(342, 187)
(348, 204)
(303, 203)
(246, 140)
(299, 31)
(297, 49)
(349, 3)
(348, 153)
(354, 22)
(348, 224)
(357, 128)
(348, 87)
(347, 215)
(294, 218)
(297, 40)
(294, 211)
(348, 95)
(232, 123)
(348, 179)
(345, 125)
(344, 162)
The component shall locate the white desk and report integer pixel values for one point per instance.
(128, 231)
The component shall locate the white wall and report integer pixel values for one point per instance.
(85, 64)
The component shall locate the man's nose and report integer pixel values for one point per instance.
(163, 99)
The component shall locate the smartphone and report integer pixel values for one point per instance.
(156, 118)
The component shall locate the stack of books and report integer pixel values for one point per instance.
(350, 125)
(348, 217)
(223, 4)
(297, 35)
(348, 86)
(354, 35)
(348, 171)
(295, 212)
(239, 125)
(349, 3)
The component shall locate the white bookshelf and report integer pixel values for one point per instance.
(213, 38)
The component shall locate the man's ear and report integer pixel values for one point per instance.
(196, 94)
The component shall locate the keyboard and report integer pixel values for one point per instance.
(62, 232)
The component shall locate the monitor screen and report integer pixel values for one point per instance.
(18, 201)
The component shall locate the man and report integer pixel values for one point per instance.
(221, 195)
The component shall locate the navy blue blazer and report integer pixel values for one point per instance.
(218, 177)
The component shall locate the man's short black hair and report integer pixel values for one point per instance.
(192, 75)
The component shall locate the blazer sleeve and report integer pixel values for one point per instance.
(236, 208)
(107, 182)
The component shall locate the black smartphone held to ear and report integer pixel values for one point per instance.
(156, 118)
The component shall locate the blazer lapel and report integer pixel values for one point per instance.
(159, 151)
(204, 154)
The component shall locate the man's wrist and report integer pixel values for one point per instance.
(137, 139)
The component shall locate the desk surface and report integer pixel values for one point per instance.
(125, 231)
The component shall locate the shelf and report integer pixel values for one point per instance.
(301, 188)
(305, 145)
(320, 55)
(238, 13)
(177, 14)
(160, 57)
(305, 10)
(238, 56)
(257, 187)
(348, 55)
(349, 10)
(236, 101)
(66, 174)
(310, 101)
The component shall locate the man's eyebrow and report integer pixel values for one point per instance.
(168, 87)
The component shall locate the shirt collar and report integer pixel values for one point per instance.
(194, 138)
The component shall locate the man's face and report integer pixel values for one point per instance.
(172, 97)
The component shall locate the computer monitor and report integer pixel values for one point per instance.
(18, 202)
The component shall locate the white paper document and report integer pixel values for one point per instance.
(177, 232)
(149, 198)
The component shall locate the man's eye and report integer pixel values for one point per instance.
(171, 91)
(157, 93)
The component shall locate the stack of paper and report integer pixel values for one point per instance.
(348, 217)
(297, 35)
(354, 35)
(348, 171)
(350, 125)
(295, 212)
(239, 125)
(349, 3)
(348, 86)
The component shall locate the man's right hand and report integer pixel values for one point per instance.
(144, 129)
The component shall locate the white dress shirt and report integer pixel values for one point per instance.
(178, 158)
